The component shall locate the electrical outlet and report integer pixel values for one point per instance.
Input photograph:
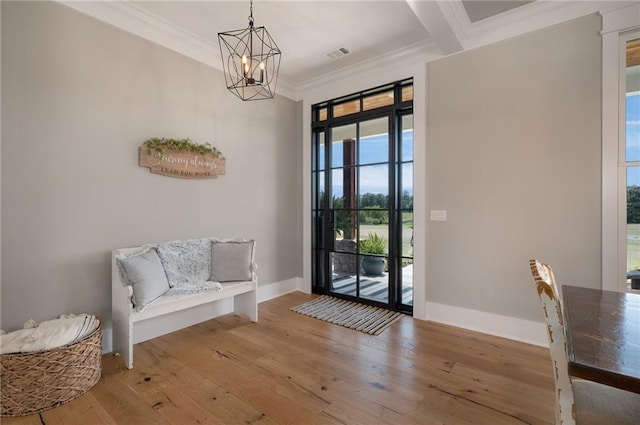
(438, 215)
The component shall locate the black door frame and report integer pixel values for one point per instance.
(323, 233)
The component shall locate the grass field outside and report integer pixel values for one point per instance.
(383, 231)
(633, 246)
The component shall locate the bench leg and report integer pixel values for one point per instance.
(127, 355)
(126, 347)
(123, 339)
(246, 304)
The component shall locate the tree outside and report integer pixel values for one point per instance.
(373, 217)
(633, 227)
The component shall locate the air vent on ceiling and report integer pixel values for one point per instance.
(337, 53)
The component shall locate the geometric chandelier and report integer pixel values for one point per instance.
(251, 61)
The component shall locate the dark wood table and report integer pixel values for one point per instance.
(603, 336)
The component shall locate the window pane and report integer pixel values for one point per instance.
(374, 248)
(321, 151)
(407, 281)
(633, 218)
(633, 52)
(346, 227)
(337, 153)
(406, 187)
(321, 189)
(406, 145)
(337, 188)
(346, 108)
(377, 100)
(374, 222)
(343, 145)
(374, 182)
(632, 107)
(374, 282)
(374, 141)
(407, 234)
(322, 114)
(407, 93)
(345, 269)
(633, 126)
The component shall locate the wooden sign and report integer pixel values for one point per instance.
(182, 163)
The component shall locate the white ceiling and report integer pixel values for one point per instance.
(306, 30)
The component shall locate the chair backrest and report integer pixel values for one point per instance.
(552, 309)
(543, 272)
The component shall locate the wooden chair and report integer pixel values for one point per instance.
(578, 402)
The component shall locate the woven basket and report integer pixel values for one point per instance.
(33, 382)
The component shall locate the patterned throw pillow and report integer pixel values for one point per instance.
(186, 261)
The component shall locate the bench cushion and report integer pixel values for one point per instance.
(170, 303)
(194, 288)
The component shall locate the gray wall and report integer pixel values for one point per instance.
(514, 156)
(78, 99)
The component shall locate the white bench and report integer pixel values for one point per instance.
(125, 317)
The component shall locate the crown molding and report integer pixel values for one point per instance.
(537, 15)
(380, 70)
(521, 20)
(509, 24)
(131, 18)
(621, 19)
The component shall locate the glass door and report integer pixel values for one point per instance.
(360, 205)
(363, 202)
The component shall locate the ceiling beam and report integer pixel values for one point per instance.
(434, 20)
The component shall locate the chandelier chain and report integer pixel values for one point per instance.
(251, 12)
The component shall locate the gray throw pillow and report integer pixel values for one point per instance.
(145, 274)
(232, 261)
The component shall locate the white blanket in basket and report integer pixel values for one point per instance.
(67, 329)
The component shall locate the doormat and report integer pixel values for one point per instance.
(361, 317)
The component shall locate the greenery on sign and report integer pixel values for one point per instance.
(162, 144)
(374, 244)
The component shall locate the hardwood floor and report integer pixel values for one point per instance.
(292, 369)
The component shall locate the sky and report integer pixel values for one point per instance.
(371, 150)
(633, 137)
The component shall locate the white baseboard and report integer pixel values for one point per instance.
(107, 339)
(277, 289)
(493, 324)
